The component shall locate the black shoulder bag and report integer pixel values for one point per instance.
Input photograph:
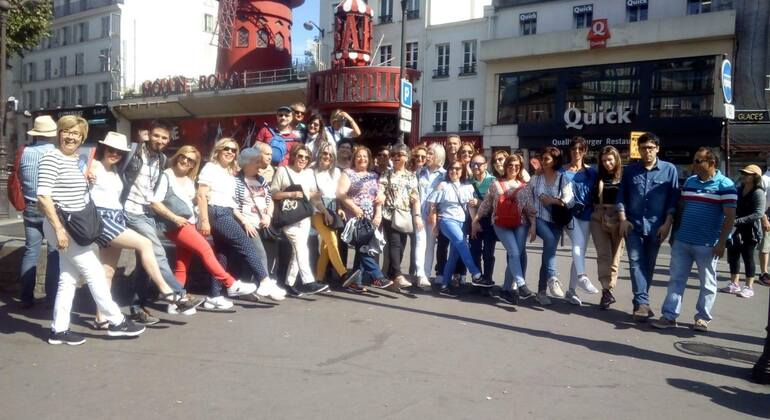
(291, 210)
(560, 215)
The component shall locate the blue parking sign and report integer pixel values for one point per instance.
(406, 93)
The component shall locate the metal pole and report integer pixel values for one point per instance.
(401, 64)
(5, 207)
(727, 147)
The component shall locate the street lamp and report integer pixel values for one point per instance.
(310, 25)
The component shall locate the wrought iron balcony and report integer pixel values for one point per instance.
(468, 69)
(441, 73)
(386, 19)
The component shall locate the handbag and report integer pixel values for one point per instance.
(358, 232)
(175, 205)
(291, 210)
(560, 215)
(402, 219)
(330, 204)
(84, 226)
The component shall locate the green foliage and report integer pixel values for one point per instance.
(28, 24)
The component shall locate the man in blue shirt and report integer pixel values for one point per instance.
(708, 212)
(647, 199)
(43, 132)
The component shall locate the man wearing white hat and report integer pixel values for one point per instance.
(43, 131)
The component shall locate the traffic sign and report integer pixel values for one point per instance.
(730, 111)
(406, 93)
(405, 113)
(727, 81)
(405, 126)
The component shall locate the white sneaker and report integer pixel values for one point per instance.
(573, 298)
(746, 292)
(555, 287)
(265, 287)
(277, 293)
(423, 282)
(585, 283)
(240, 288)
(171, 310)
(219, 302)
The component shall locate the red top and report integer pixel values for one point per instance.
(290, 137)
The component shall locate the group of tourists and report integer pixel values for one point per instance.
(283, 213)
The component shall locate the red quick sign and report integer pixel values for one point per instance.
(599, 33)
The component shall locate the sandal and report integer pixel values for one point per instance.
(183, 303)
(101, 325)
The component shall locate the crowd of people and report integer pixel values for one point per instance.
(292, 205)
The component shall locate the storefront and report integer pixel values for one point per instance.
(100, 119)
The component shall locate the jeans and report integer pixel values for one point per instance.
(145, 226)
(682, 257)
(515, 242)
(642, 253)
(442, 255)
(550, 233)
(458, 249)
(578, 235)
(33, 239)
(483, 246)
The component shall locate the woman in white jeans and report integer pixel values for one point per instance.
(429, 177)
(62, 185)
(584, 181)
(298, 173)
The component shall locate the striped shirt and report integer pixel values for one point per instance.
(537, 187)
(703, 209)
(253, 197)
(28, 167)
(60, 178)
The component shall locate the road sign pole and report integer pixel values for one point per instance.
(401, 62)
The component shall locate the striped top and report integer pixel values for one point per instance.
(703, 209)
(61, 179)
(253, 197)
(537, 187)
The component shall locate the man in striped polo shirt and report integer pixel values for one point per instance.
(707, 213)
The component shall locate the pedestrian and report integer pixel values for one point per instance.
(464, 155)
(764, 245)
(344, 154)
(450, 204)
(706, 219)
(297, 174)
(498, 163)
(429, 178)
(482, 242)
(550, 192)
(748, 231)
(453, 143)
(298, 113)
(339, 129)
(605, 224)
(281, 137)
(316, 136)
(62, 186)
(418, 238)
(44, 135)
(647, 200)
(507, 200)
(584, 179)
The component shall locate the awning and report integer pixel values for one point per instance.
(750, 137)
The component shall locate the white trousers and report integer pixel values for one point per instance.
(578, 235)
(74, 262)
(420, 245)
(298, 235)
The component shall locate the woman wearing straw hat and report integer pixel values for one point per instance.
(106, 188)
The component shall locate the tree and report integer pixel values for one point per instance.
(28, 23)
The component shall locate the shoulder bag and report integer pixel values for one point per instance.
(402, 219)
(560, 215)
(330, 204)
(175, 205)
(291, 210)
(84, 225)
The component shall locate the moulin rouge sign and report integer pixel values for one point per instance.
(178, 85)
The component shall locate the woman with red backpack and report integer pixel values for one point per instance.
(506, 200)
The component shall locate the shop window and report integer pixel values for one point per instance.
(583, 15)
(439, 124)
(242, 40)
(636, 10)
(528, 23)
(527, 98)
(682, 88)
(596, 89)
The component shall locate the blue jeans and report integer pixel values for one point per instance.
(642, 253)
(33, 239)
(368, 266)
(515, 242)
(682, 257)
(550, 233)
(458, 249)
(483, 246)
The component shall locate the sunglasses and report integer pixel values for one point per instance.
(464, 152)
(230, 149)
(186, 160)
(303, 157)
(420, 156)
(456, 168)
(298, 112)
(513, 165)
(477, 164)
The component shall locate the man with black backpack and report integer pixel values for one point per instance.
(282, 137)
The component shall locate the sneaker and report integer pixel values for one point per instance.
(447, 291)
(171, 309)
(218, 303)
(185, 305)
(293, 291)
(355, 288)
(731, 288)
(607, 299)
(543, 299)
(381, 283)
(142, 316)
(422, 282)
(277, 294)
(510, 296)
(746, 292)
(585, 283)
(642, 313)
(402, 282)
(555, 287)
(127, 328)
(764, 278)
(524, 292)
(573, 298)
(240, 288)
(350, 277)
(479, 281)
(457, 280)
(663, 323)
(66, 337)
(269, 288)
(700, 325)
(313, 288)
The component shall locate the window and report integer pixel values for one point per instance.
(411, 55)
(469, 58)
(636, 10)
(80, 97)
(79, 63)
(386, 11)
(595, 89)
(44, 98)
(583, 15)
(64, 94)
(242, 40)
(442, 64)
(262, 38)
(102, 92)
(104, 60)
(63, 66)
(82, 35)
(527, 97)
(279, 42)
(466, 114)
(440, 118)
(412, 9)
(66, 35)
(386, 55)
(695, 7)
(31, 103)
(528, 23)
(31, 72)
(682, 88)
(208, 23)
(47, 69)
(114, 24)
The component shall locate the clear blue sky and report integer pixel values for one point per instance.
(299, 35)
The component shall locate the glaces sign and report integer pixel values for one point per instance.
(577, 118)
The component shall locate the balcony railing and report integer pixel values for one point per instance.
(441, 73)
(386, 19)
(466, 126)
(412, 14)
(71, 8)
(468, 69)
(439, 128)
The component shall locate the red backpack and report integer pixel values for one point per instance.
(507, 213)
(15, 193)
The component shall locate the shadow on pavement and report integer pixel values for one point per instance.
(740, 400)
(697, 348)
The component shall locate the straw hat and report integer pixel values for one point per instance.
(752, 170)
(116, 141)
(44, 126)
